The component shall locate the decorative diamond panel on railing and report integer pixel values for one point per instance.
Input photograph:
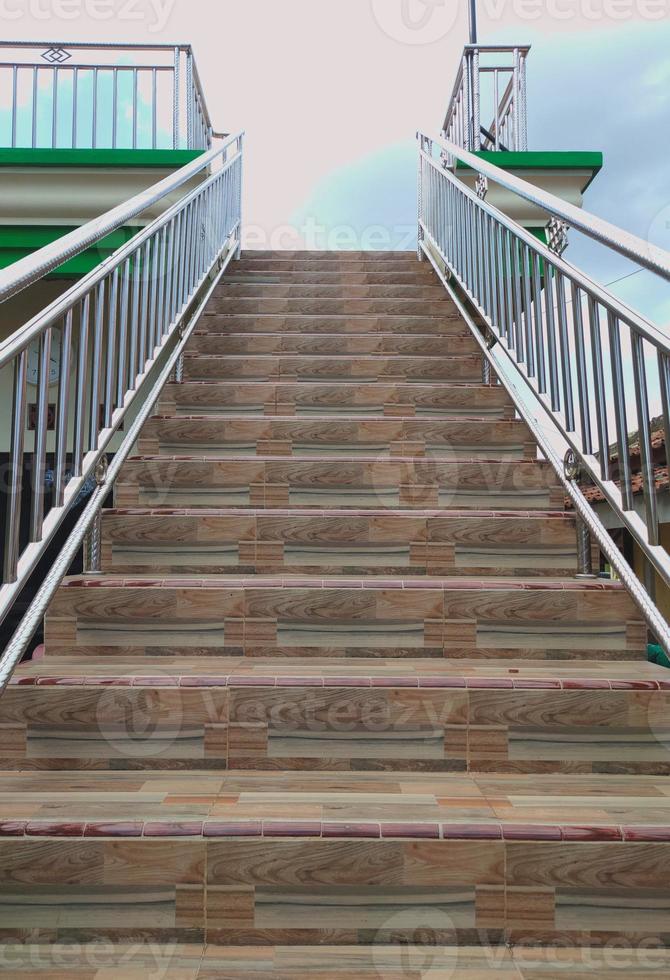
(56, 56)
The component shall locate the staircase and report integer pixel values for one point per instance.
(339, 705)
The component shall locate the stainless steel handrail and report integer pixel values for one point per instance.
(640, 251)
(15, 649)
(114, 327)
(566, 336)
(33, 267)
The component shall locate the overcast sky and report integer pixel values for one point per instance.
(331, 92)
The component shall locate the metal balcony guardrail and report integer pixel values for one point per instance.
(490, 78)
(594, 367)
(72, 95)
(118, 325)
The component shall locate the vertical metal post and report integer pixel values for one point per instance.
(240, 172)
(175, 101)
(473, 21)
(190, 114)
(419, 249)
(93, 542)
(476, 103)
(584, 551)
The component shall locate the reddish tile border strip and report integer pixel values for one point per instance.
(353, 681)
(333, 830)
(344, 583)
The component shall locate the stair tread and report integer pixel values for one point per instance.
(77, 670)
(343, 804)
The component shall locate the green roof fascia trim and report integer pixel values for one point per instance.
(18, 241)
(542, 160)
(102, 159)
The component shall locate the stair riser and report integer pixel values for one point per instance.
(369, 437)
(336, 729)
(337, 544)
(324, 306)
(269, 274)
(330, 892)
(359, 369)
(456, 622)
(378, 484)
(220, 323)
(383, 400)
(346, 266)
(333, 345)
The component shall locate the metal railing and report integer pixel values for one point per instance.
(490, 85)
(597, 370)
(102, 96)
(111, 331)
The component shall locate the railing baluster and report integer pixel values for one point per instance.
(600, 393)
(63, 411)
(582, 376)
(620, 414)
(538, 323)
(526, 259)
(82, 386)
(40, 446)
(110, 352)
(550, 320)
(122, 373)
(644, 438)
(15, 488)
(664, 382)
(566, 363)
(96, 365)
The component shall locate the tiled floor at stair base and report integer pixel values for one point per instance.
(364, 706)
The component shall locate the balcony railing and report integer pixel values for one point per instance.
(84, 96)
(488, 107)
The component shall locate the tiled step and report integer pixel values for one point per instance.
(348, 438)
(385, 368)
(337, 542)
(305, 398)
(393, 961)
(269, 273)
(281, 344)
(82, 711)
(332, 257)
(325, 291)
(395, 265)
(363, 483)
(428, 617)
(448, 325)
(325, 306)
(356, 860)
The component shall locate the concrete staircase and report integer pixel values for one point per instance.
(338, 705)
